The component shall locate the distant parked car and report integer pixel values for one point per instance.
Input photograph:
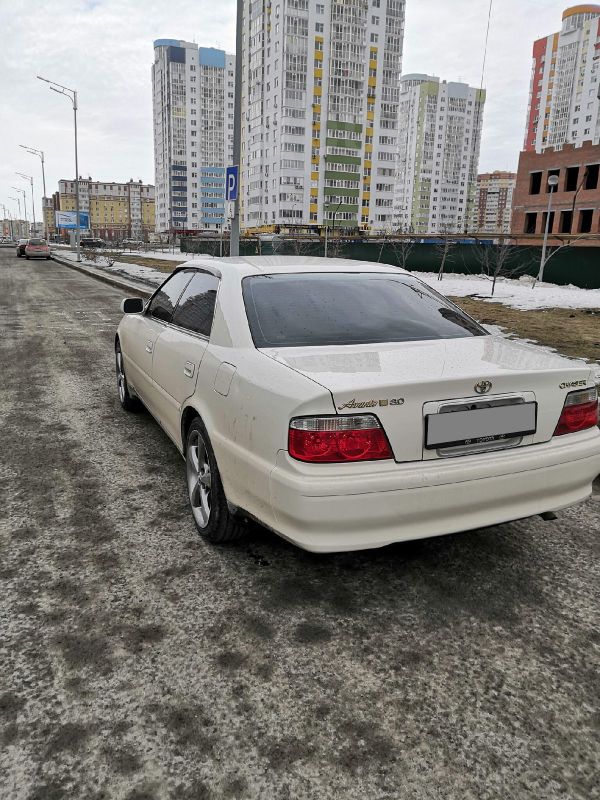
(90, 241)
(21, 247)
(37, 248)
(132, 243)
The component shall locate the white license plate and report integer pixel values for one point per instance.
(478, 425)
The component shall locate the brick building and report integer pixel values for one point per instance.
(575, 201)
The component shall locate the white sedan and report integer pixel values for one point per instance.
(347, 405)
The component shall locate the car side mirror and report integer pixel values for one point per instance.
(132, 305)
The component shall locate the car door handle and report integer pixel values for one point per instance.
(149, 347)
(188, 369)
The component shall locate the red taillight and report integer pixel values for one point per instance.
(580, 412)
(335, 439)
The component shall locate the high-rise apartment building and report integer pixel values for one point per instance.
(117, 210)
(438, 154)
(320, 91)
(564, 105)
(492, 208)
(193, 100)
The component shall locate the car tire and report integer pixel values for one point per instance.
(27, 257)
(212, 517)
(128, 402)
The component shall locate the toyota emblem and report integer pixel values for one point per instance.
(483, 387)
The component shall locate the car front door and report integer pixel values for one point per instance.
(142, 331)
(180, 348)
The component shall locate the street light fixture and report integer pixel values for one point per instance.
(71, 94)
(30, 179)
(552, 183)
(40, 154)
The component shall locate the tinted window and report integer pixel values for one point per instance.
(165, 300)
(37, 241)
(348, 308)
(197, 304)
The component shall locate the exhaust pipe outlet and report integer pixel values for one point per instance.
(548, 516)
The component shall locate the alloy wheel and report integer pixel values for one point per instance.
(199, 478)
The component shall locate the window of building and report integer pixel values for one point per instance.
(551, 223)
(585, 220)
(571, 179)
(530, 220)
(552, 172)
(591, 178)
(566, 221)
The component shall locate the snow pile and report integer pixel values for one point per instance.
(514, 293)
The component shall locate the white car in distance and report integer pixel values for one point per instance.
(347, 405)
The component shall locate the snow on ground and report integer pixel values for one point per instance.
(514, 293)
(136, 271)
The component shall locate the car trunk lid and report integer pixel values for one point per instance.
(404, 383)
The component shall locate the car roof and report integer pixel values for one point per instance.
(268, 265)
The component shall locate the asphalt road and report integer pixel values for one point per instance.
(138, 662)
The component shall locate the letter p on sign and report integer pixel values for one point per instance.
(231, 183)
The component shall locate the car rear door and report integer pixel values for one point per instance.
(141, 332)
(180, 348)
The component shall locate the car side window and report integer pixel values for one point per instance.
(164, 301)
(197, 304)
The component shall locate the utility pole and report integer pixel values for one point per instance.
(40, 154)
(234, 237)
(12, 231)
(30, 179)
(22, 191)
(71, 94)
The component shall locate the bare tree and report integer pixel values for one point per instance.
(401, 243)
(501, 259)
(444, 248)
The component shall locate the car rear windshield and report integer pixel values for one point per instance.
(37, 241)
(308, 309)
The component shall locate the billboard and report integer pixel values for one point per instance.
(68, 219)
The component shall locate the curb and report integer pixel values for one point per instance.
(118, 283)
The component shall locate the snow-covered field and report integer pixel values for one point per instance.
(514, 293)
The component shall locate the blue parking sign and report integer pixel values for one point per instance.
(231, 183)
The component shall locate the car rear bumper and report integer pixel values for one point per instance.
(328, 508)
(37, 253)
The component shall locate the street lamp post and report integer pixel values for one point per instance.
(40, 154)
(552, 183)
(22, 191)
(71, 94)
(30, 179)
(18, 199)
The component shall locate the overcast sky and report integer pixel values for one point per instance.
(103, 48)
